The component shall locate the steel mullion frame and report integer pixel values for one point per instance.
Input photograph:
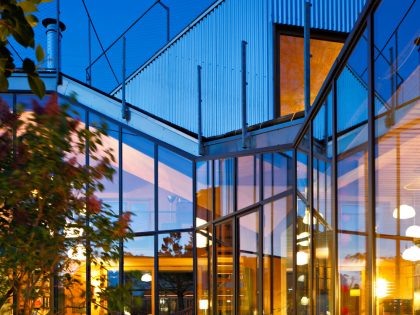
(260, 238)
(371, 246)
(120, 205)
(194, 190)
(88, 266)
(334, 205)
(156, 240)
(310, 173)
(294, 232)
(214, 247)
(236, 261)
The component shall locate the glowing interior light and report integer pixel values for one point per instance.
(77, 253)
(382, 288)
(305, 237)
(307, 218)
(406, 212)
(301, 278)
(201, 240)
(200, 222)
(302, 258)
(203, 304)
(322, 252)
(413, 231)
(147, 277)
(411, 254)
(304, 301)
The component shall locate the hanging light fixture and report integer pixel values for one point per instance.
(382, 288)
(406, 212)
(413, 231)
(146, 277)
(304, 301)
(304, 236)
(302, 258)
(411, 254)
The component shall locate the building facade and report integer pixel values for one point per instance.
(297, 213)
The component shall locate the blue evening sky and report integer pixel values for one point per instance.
(111, 18)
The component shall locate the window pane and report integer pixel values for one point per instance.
(175, 279)
(322, 221)
(278, 173)
(303, 229)
(138, 181)
(278, 257)
(225, 283)
(248, 263)
(248, 189)
(204, 192)
(224, 186)
(397, 143)
(352, 175)
(175, 191)
(323, 55)
(204, 271)
(139, 274)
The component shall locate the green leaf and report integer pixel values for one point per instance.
(40, 54)
(28, 66)
(37, 85)
(32, 20)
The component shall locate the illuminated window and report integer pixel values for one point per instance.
(291, 66)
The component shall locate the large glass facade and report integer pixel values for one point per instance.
(364, 181)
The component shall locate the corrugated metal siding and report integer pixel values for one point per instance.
(335, 15)
(167, 86)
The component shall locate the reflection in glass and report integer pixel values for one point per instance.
(248, 263)
(278, 257)
(322, 229)
(248, 185)
(138, 181)
(175, 278)
(139, 274)
(277, 173)
(204, 271)
(352, 175)
(175, 191)
(225, 283)
(204, 192)
(397, 85)
(224, 186)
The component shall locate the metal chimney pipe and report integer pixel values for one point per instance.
(52, 42)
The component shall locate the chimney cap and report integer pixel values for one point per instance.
(49, 21)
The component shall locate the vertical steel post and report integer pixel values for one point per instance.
(200, 114)
(307, 56)
(244, 101)
(58, 52)
(125, 109)
(89, 69)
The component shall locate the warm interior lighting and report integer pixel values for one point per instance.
(200, 222)
(413, 231)
(201, 241)
(307, 218)
(406, 212)
(355, 291)
(322, 252)
(302, 258)
(303, 236)
(77, 253)
(382, 288)
(203, 304)
(301, 278)
(304, 301)
(147, 277)
(411, 254)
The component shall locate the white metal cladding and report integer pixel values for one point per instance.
(167, 85)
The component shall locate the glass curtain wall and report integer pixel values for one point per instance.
(364, 178)
(245, 246)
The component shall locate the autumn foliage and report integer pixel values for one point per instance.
(48, 205)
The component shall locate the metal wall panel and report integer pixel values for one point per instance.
(167, 85)
(334, 15)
